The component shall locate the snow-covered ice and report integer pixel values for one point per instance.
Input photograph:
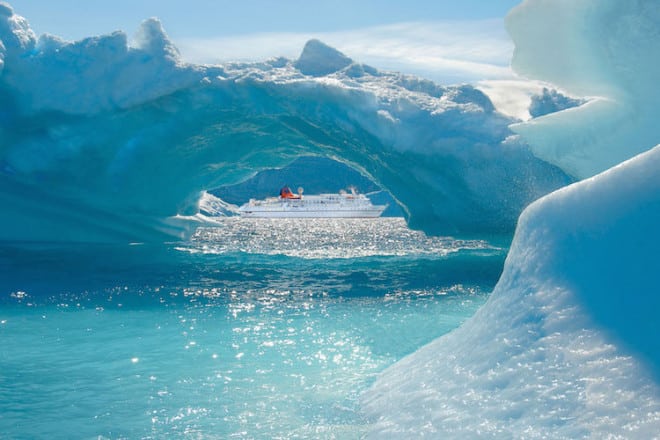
(96, 129)
(604, 50)
(104, 141)
(566, 346)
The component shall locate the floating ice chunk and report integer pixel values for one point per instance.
(567, 343)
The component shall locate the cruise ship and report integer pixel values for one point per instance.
(345, 204)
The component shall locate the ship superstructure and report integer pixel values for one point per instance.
(345, 204)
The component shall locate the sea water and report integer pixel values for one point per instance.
(256, 328)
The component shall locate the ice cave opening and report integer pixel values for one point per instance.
(316, 174)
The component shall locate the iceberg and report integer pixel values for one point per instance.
(566, 345)
(102, 141)
(106, 141)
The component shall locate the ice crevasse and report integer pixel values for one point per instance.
(566, 346)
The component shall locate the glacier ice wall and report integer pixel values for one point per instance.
(100, 140)
(607, 51)
(566, 346)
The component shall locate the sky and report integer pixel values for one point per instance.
(447, 41)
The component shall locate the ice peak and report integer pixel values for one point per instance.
(319, 59)
(151, 38)
(15, 33)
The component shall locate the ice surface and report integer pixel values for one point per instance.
(92, 75)
(566, 346)
(17, 37)
(107, 141)
(605, 50)
(103, 141)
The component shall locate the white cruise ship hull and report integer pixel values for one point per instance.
(313, 214)
(317, 206)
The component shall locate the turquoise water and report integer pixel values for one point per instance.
(254, 329)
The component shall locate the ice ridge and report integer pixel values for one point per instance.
(133, 134)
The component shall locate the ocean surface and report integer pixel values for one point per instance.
(256, 328)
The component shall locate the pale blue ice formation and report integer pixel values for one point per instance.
(607, 51)
(103, 141)
(566, 346)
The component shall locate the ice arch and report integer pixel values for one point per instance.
(103, 141)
